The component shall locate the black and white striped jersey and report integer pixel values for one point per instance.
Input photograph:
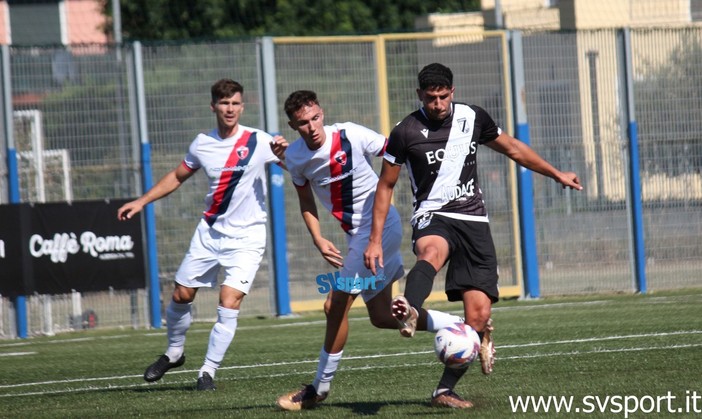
(440, 157)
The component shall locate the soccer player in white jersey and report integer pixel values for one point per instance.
(332, 162)
(230, 235)
(438, 144)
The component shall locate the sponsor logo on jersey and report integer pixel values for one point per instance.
(340, 157)
(231, 169)
(242, 152)
(327, 180)
(453, 192)
(462, 122)
(452, 152)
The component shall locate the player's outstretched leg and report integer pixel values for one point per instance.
(205, 382)
(312, 394)
(156, 370)
(444, 396)
(305, 398)
(487, 349)
(405, 315)
(221, 337)
(336, 308)
(427, 320)
(450, 399)
(178, 319)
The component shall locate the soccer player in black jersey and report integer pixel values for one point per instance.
(438, 144)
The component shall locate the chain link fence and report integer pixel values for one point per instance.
(76, 139)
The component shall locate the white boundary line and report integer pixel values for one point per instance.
(322, 321)
(17, 354)
(376, 356)
(293, 373)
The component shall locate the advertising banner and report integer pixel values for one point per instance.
(11, 250)
(58, 247)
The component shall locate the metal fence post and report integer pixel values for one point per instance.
(634, 189)
(276, 193)
(149, 215)
(20, 302)
(532, 287)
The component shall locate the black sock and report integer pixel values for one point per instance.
(450, 378)
(419, 283)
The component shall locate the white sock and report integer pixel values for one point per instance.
(178, 319)
(328, 364)
(438, 320)
(221, 336)
(439, 391)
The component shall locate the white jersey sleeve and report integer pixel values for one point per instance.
(295, 157)
(191, 160)
(372, 143)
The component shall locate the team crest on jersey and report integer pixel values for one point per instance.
(340, 157)
(424, 220)
(242, 152)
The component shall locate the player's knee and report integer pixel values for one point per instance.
(327, 307)
(430, 254)
(232, 302)
(184, 295)
(478, 318)
(434, 252)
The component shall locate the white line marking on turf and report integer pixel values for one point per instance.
(70, 340)
(322, 322)
(359, 368)
(375, 356)
(553, 305)
(602, 351)
(600, 339)
(366, 318)
(17, 353)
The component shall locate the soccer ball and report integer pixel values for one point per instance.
(457, 345)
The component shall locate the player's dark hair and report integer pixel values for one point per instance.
(225, 88)
(299, 99)
(435, 75)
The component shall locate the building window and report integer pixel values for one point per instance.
(35, 22)
(696, 10)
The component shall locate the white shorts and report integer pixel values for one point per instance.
(209, 250)
(393, 270)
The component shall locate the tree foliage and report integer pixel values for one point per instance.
(663, 97)
(221, 19)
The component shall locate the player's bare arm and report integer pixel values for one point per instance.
(389, 174)
(168, 183)
(308, 208)
(527, 157)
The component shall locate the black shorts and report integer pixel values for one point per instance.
(472, 260)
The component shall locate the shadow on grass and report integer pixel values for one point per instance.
(408, 408)
(374, 408)
(355, 408)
